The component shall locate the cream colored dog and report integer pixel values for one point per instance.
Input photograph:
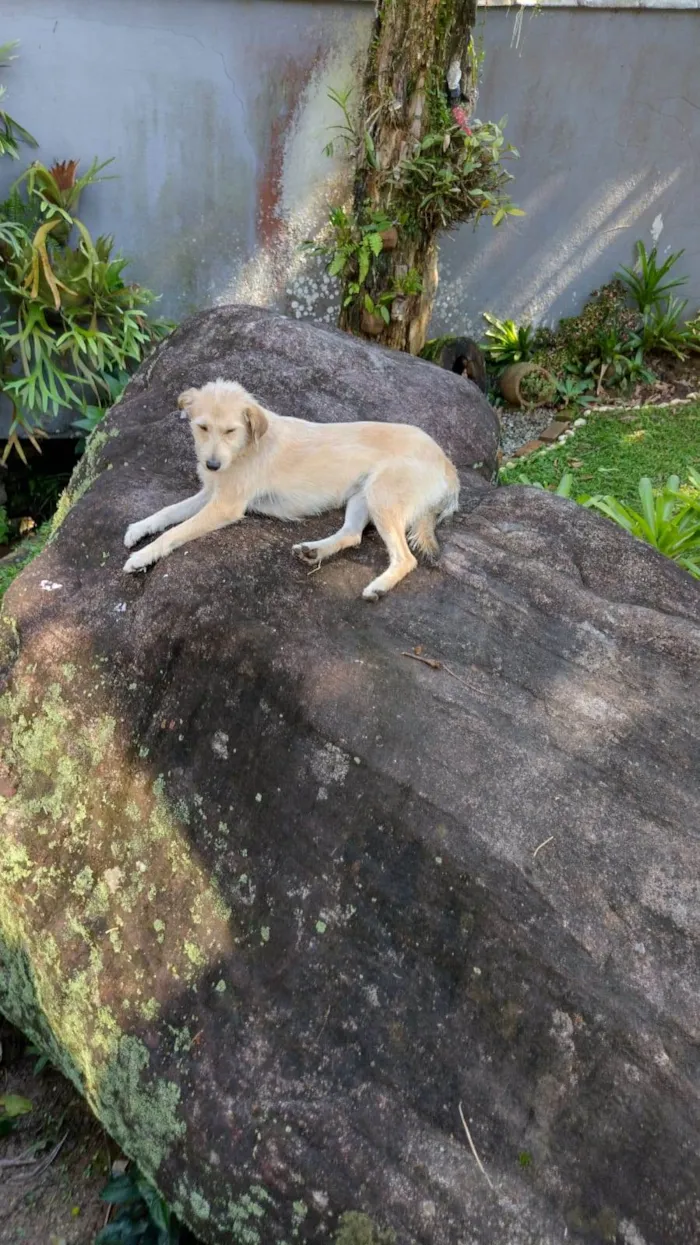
(249, 459)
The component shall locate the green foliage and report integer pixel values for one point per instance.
(574, 391)
(12, 134)
(663, 329)
(451, 175)
(93, 414)
(538, 388)
(69, 320)
(142, 1214)
(408, 285)
(508, 342)
(353, 246)
(563, 488)
(454, 176)
(605, 328)
(646, 282)
(358, 1229)
(433, 348)
(668, 519)
(345, 133)
(42, 1061)
(4, 526)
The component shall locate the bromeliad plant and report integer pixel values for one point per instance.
(669, 519)
(69, 321)
(508, 342)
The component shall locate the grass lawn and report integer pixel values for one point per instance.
(615, 449)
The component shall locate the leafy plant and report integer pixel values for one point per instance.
(346, 132)
(646, 282)
(669, 519)
(408, 285)
(538, 388)
(574, 391)
(56, 191)
(508, 342)
(578, 339)
(380, 307)
(70, 320)
(611, 358)
(352, 247)
(142, 1215)
(12, 134)
(42, 1061)
(663, 329)
(637, 372)
(12, 1106)
(4, 526)
(456, 175)
(93, 414)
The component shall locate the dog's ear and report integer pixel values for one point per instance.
(186, 400)
(256, 420)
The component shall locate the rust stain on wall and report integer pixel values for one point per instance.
(288, 82)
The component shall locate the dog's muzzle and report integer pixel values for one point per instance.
(213, 464)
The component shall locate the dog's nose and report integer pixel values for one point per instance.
(213, 464)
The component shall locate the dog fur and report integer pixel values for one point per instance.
(251, 460)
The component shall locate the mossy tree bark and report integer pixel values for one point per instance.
(404, 99)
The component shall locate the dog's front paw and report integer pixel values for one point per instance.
(373, 594)
(307, 554)
(141, 560)
(134, 533)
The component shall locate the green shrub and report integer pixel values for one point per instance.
(507, 342)
(646, 282)
(69, 322)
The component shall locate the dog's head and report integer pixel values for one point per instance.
(225, 421)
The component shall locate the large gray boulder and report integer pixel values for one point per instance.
(282, 899)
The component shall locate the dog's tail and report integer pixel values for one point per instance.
(421, 532)
(450, 501)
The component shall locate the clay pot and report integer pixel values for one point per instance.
(390, 238)
(370, 324)
(511, 379)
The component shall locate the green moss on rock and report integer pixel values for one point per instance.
(356, 1228)
(71, 920)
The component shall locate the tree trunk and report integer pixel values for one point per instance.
(414, 44)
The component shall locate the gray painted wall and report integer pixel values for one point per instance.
(604, 107)
(216, 112)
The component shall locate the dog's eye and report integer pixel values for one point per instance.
(203, 427)
(229, 432)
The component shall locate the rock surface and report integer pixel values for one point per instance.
(280, 898)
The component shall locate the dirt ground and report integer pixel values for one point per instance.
(56, 1202)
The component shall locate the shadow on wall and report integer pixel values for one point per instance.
(602, 107)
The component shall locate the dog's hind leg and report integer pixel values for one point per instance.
(391, 496)
(349, 535)
(158, 522)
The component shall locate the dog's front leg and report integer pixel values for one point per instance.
(213, 516)
(165, 518)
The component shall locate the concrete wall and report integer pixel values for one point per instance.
(604, 107)
(216, 112)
